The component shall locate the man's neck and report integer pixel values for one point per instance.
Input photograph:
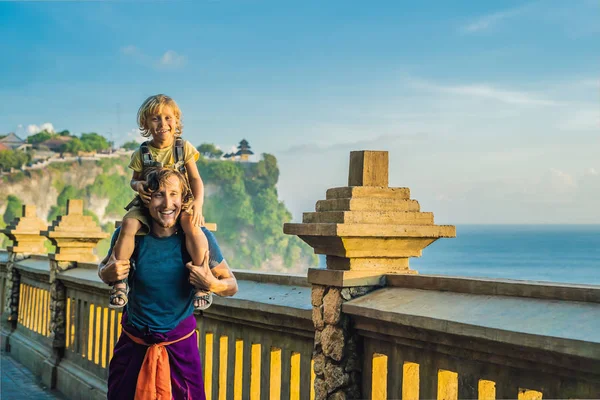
(160, 231)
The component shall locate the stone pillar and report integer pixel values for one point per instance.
(75, 236)
(25, 234)
(366, 230)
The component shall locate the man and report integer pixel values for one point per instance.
(157, 355)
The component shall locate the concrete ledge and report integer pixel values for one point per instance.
(29, 353)
(85, 278)
(571, 328)
(341, 278)
(34, 266)
(268, 277)
(76, 383)
(498, 287)
(293, 301)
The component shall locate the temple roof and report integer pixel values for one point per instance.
(12, 140)
(244, 145)
(243, 151)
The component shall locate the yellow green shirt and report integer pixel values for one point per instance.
(164, 156)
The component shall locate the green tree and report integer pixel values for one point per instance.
(13, 159)
(40, 137)
(73, 146)
(131, 145)
(69, 192)
(94, 142)
(249, 214)
(209, 150)
(13, 210)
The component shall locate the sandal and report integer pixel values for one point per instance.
(118, 293)
(207, 298)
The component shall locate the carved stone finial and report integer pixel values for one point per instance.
(368, 226)
(75, 235)
(368, 168)
(25, 232)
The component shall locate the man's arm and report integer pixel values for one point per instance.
(219, 280)
(226, 284)
(110, 269)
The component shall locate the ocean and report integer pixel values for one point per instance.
(555, 253)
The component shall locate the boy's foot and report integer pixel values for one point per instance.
(118, 296)
(202, 300)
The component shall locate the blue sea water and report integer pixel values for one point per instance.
(555, 253)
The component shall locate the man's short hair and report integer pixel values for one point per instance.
(158, 177)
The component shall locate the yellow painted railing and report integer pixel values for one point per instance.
(251, 349)
(240, 359)
(284, 370)
(34, 309)
(447, 383)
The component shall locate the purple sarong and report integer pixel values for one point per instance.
(184, 359)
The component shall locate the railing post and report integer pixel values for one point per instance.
(366, 230)
(24, 232)
(75, 236)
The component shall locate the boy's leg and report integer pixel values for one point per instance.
(124, 247)
(197, 246)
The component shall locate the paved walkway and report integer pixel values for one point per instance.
(17, 383)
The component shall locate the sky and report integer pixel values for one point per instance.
(490, 111)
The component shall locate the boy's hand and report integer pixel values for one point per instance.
(144, 194)
(196, 211)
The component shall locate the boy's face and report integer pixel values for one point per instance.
(163, 124)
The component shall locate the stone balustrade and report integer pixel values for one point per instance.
(367, 326)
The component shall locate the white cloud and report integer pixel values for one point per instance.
(582, 119)
(130, 50)
(172, 59)
(561, 180)
(575, 18)
(486, 91)
(367, 143)
(33, 129)
(169, 59)
(487, 21)
(134, 134)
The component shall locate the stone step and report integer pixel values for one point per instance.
(386, 264)
(367, 204)
(369, 217)
(370, 230)
(368, 191)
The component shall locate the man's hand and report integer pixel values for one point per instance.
(201, 277)
(219, 280)
(144, 194)
(114, 270)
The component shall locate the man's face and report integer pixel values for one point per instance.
(165, 203)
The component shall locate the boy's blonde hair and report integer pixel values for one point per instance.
(153, 105)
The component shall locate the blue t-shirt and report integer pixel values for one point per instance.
(160, 294)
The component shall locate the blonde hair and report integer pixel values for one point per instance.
(152, 106)
(158, 177)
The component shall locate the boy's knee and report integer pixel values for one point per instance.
(187, 226)
(130, 226)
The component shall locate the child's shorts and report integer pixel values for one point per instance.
(142, 215)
